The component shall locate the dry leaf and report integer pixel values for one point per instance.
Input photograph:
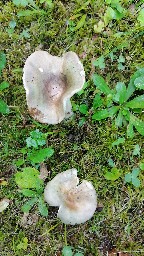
(43, 171)
(4, 204)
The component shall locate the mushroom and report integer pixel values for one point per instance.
(77, 203)
(50, 82)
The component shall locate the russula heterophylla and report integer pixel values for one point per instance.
(50, 82)
(77, 203)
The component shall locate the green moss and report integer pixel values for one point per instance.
(87, 148)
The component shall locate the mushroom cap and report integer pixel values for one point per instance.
(77, 203)
(50, 82)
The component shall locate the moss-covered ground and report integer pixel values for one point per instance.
(117, 225)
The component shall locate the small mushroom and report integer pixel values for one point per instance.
(50, 82)
(77, 203)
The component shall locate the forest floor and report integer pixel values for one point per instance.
(108, 38)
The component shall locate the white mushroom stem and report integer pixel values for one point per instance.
(77, 203)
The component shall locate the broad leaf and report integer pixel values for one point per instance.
(4, 85)
(42, 207)
(100, 62)
(139, 82)
(118, 141)
(141, 166)
(135, 172)
(138, 124)
(113, 175)
(29, 193)
(101, 114)
(121, 93)
(81, 22)
(136, 182)
(130, 131)
(113, 110)
(131, 86)
(67, 251)
(28, 178)
(39, 156)
(29, 204)
(83, 108)
(97, 101)
(137, 102)
(101, 84)
(21, 2)
(4, 109)
(140, 17)
(119, 119)
(2, 61)
(128, 177)
(136, 150)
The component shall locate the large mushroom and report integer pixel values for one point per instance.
(50, 82)
(77, 203)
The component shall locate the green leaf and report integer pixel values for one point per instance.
(81, 22)
(2, 61)
(39, 156)
(119, 119)
(131, 87)
(4, 85)
(136, 150)
(29, 204)
(140, 17)
(135, 172)
(121, 93)
(29, 193)
(97, 101)
(4, 109)
(42, 207)
(139, 82)
(67, 251)
(113, 175)
(138, 124)
(78, 254)
(101, 114)
(82, 121)
(136, 182)
(36, 139)
(121, 59)
(118, 141)
(113, 110)
(100, 62)
(128, 177)
(130, 131)
(121, 66)
(23, 245)
(137, 102)
(19, 162)
(101, 84)
(141, 166)
(111, 162)
(83, 108)
(23, 3)
(12, 24)
(28, 178)
(24, 34)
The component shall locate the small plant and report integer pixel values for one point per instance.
(4, 109)
(67, 251)
(113, 12)
(32, 151)
(116, 102)
(32, 187)
(132, 177)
